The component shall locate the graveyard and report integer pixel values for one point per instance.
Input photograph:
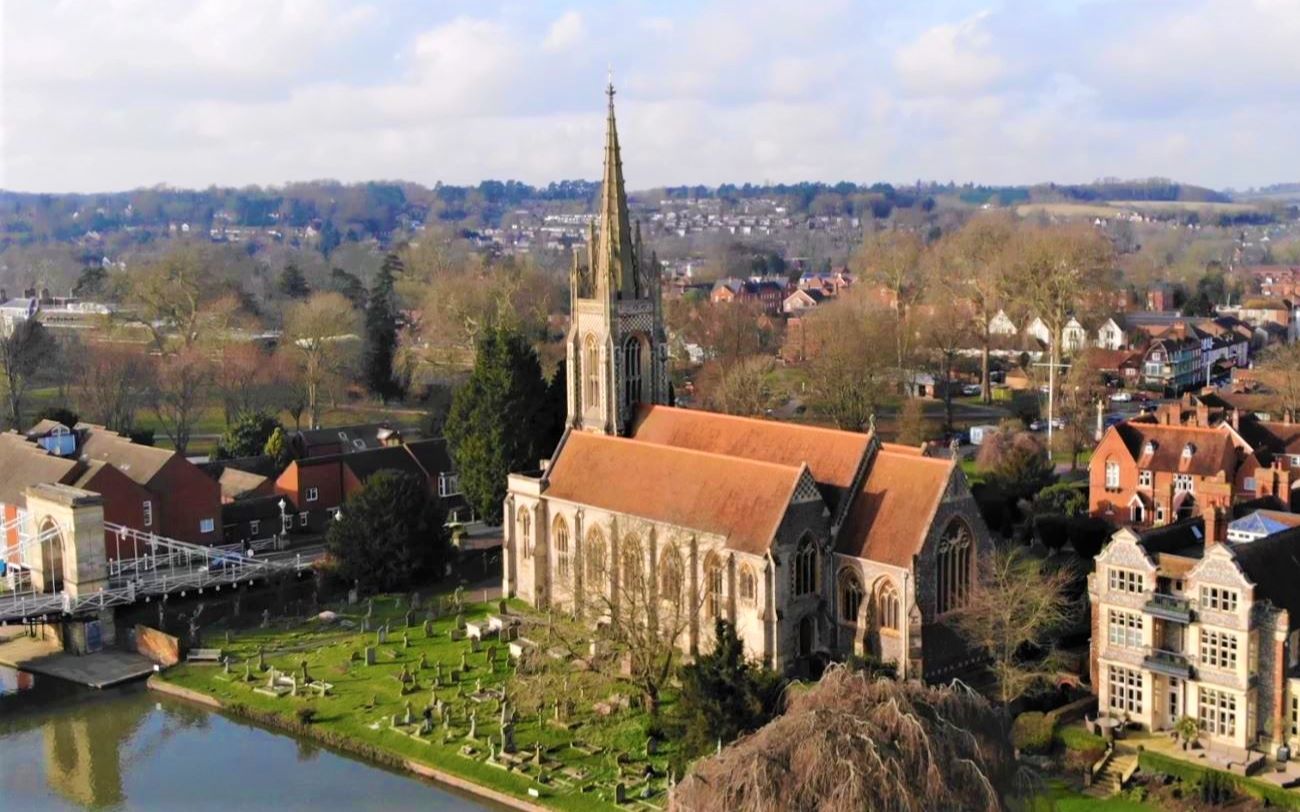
(474, 690)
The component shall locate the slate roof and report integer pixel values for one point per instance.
(1185, 538)
(23, 464)
(1273, 563)
(140, 462)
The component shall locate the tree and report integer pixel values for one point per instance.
(390, 534)
(856, 742)
(178, 299)
(1013, 616)
(1280, 367)
(381, 331)
(892, 260)
(742, 388)
(350, 286)
(971, 266)
(114, 384)
(1016, 463)
(180, 386)
(23, 353)
(322, 334)
(92, 283)
(1082, 390)
(724, 695)
(944, 329)
(248, 435)
(1053, 271)
(277, 447)
(60, 414)
(292, 284)
(911, 422)
(492, 428)
(848, 371)
(245, 378)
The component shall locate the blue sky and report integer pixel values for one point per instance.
(115, 94)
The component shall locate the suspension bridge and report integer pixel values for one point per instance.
(57, 562)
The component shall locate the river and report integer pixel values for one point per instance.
(130, 749)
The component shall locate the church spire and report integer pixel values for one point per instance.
(615, 258)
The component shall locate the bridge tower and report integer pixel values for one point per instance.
(74, 559)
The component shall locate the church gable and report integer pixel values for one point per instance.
(894, 508)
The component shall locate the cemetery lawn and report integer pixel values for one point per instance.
(582, 759)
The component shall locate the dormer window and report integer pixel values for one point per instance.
(1188, 451)
(1150, 447)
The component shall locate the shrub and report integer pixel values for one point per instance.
(1198, 779)
(305, 715)
(1032, 732)
(1077, 740)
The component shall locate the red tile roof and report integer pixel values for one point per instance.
(740, 499)
(831, 454)
(892, 512)
(1213, 448)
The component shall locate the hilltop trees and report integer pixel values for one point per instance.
(492, 428)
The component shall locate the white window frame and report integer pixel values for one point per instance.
(312, 494)
(1125, 692)
(1124, 629)
(302, 519)
(1217, 712)
(207, 525)
(1219, 599)
(1122, 580)
(1219, 649)
(147, 508)
(254, 526)
(1112, 475)
(1144, 478)
(1184, 483)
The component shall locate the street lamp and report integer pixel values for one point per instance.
(284, 517)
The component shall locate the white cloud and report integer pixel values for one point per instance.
(949, 59)
(567, 32)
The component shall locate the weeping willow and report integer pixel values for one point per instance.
(853, 742)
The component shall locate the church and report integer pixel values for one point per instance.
(815, 543)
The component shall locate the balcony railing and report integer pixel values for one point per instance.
(1169, 607)
(1169, 663)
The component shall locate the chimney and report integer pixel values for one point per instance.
(1202, 414)
(1213, 526)
(1235, 416)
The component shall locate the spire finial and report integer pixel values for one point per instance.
(609, 83)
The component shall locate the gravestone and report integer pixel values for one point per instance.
(266, 618)
(370, 607)
(474, 644)
(407, 718)
(352, 596)
(473, 724)
(620, 793)
(365, 625)
(406, 640)
(424, 661)
(370, 655)
(415, 600)
(248, 671)
(261, 659)
(305, 676)
(464, 661)
(437, 674)
(225, 666)
(409, 619)
(508, 737)
(428, 629)
(381, 637)
(650, 746)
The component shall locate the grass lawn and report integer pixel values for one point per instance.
(364, 700)
(1057, 797)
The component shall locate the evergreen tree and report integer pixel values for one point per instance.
(389, 534)
(247, 435)
(277, 447)
(494, 426)
(292, 283)
(554, 411)
(724, 695)
(350, 286)
(381, 331)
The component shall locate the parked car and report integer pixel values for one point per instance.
(971, 389)
(1121, 397)
(1037, 425)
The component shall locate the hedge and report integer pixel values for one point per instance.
(1032, 732)
(1076, 738)
(1187, 771)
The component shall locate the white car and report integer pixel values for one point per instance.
(1121, 397)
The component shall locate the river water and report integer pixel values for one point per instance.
(130, 749)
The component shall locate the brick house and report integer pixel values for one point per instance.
(767, 293)
(1184, 625)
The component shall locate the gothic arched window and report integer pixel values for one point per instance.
(594, 556)
(591, 369)
(889, 608)
(748, 585)
(805, 567)
(850, 596)
(634, 582)
(670, 576)
(632, 371)
(526, 531)
(560, 538)
(713, 583)
(954, 567)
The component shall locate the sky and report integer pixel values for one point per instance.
(108, 95)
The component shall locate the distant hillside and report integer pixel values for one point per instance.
(1152, 189)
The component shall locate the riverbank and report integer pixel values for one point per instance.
(276, 721)
(423, 700)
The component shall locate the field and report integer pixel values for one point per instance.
(1116, 207)
(571, 756)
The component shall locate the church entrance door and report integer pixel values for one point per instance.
(806, 637)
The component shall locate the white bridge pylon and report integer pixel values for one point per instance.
(87, 580)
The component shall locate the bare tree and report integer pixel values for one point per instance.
(1054, 269)
(893, 260)
(1018, 606)
(849, 367)
(243, 376)
(181, 383)
(971, 266)
(323, 334)
(1082, 390)
(1280, 368)
(744, 388)
(114, 384)
(177, 300)
(22, 354)
(944, 329)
